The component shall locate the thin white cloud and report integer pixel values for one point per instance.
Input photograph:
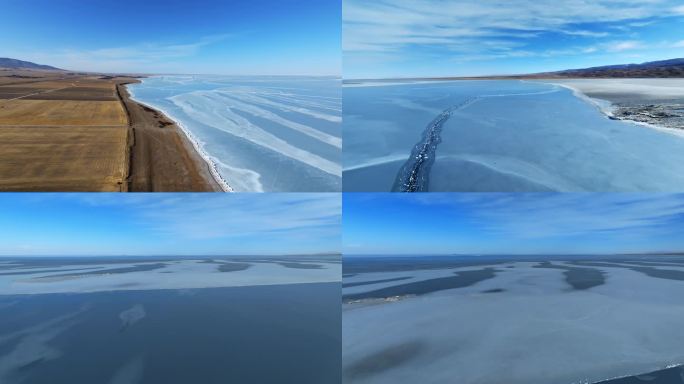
(184, 223)
(562, 215)
(385, 31)
(212, 216)
(586, 33)
(620, 46)
(131, 58)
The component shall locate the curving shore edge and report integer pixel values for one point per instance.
(194, 142)
(164, 155)
(607, 108)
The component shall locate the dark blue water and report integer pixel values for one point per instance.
(259, 334)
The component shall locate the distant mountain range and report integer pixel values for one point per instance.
(20, 64)
(662, 68)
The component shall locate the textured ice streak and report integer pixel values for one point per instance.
(261, 134)
(216, 112)
(526, 325)
(177, 274)
(130, 373)
(518, 136)
(132, 315)
(33, 345)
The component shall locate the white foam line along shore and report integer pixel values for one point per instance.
(213, 167)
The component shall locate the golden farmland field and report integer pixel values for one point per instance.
(65, 131)
(63, 158)
(63, 135)
(61, 112)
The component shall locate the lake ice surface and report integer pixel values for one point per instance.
(525, 325)
(261, 133)
(509, 135)
(174, 321)
(73, 277)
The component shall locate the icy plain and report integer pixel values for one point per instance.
(81, 276)
(501, 135)
(261, 134)
(515, 321)
(170, 320)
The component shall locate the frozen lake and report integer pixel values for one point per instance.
(156, 320)
(499, 135)
(521, 321)
(262, 134)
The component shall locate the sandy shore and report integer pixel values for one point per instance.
(162, 157)
(654, 103)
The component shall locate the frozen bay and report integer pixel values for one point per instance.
(501, 135)
(170, 320)
(518, 320)
(261, 134)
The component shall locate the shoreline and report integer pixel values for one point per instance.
(194, 142)
(607, 110)
(162, 157)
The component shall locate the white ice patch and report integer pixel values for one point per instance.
(132, 315)
(34, 344)
(182, 274)
(233, 101)
(217, 115)
(652, 88)
(537, 330)
(130, 373)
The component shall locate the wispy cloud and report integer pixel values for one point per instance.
(211, 216)
(171, 223)
(567, 214)
(414, 30)
(620, 46)
(123, 58)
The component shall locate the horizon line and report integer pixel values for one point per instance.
(166, 255)
(519, 254)
(509, 75)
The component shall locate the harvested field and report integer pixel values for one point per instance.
(71, 132)
(62, 133)
(61, 112)
(72, 158)
(77, 93)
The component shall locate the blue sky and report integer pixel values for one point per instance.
(168, 224)
(405, 38)
(172, 36)
(500, 223)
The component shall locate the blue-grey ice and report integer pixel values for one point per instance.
(526, 325)
(132, 315)
(259, 134)
(174, 274)
(502, 135)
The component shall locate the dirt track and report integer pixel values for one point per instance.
(162, 158)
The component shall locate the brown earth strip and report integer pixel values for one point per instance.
(81, 132)
(162, 157)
